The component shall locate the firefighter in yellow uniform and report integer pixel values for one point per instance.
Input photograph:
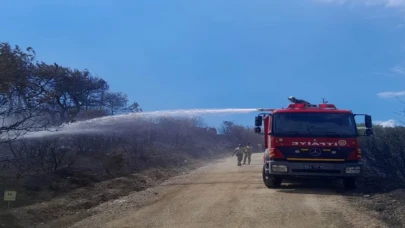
(239, 154)
(248, 154)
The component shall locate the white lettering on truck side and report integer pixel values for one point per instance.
(314, 144)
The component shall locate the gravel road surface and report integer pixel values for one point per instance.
(222, 195)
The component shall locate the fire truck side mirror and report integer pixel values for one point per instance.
(368, 122)
(258, 121)
(258, 130)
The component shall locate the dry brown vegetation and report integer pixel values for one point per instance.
(383, 186)
(141, 154)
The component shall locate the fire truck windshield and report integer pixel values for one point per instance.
(314, 124)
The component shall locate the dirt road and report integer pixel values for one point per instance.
(225, 195)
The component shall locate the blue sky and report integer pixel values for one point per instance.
(182, 54)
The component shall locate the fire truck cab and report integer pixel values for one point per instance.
(306, 140)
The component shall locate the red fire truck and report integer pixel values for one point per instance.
(306, 140)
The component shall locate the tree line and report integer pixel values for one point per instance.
(35, 95)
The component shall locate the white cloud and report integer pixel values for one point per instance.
(394, 3)
(386, 3)
(398, 70)
(387, 123)
(384, 74)
(391, 94)
(400, 26)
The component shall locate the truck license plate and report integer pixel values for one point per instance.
(315, 167)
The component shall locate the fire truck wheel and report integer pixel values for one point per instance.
(270, 182)
(349, 183)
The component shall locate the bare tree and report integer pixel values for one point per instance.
(40, 156)
(134, 107)
(115, 102)
(21, 93)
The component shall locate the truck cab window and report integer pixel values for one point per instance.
(313, 124)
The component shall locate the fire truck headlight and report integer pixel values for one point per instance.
(279, 168)
(352, 170)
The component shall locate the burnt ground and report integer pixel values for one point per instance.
(384, 198)
(74, 205)
(389, 207)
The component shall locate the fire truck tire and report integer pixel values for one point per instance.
(270, 182)
(349, 183)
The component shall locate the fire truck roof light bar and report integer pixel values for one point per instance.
(327, 106)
